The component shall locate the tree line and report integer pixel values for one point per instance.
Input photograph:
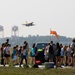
(15, 40)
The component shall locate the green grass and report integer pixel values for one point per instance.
(34, 71)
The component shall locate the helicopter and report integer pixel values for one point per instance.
(28, 24)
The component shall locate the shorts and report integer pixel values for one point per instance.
(33, 56)
(15, 57)
(7, 55)
(62, 56)
(51, 56)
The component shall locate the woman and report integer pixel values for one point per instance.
(14, 56)
(58, 56)
(62, 54)
(33, 53)
(69, 55)
(6, 54)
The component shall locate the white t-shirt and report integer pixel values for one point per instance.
(7, 50)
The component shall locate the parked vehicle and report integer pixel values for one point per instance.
(40, 57)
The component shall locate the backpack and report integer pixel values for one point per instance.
(73, 47)
(51, 49)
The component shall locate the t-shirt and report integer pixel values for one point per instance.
(32, 51)
(68, 52)
(6, 50)
(24, 52)
(73, 47)
(14, 52)
(62, 52)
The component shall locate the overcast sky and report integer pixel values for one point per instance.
(59, 15)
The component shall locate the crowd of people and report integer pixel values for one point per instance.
(57, 53)
(61, 55)
(17, 53)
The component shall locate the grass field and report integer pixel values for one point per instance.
(35, 71)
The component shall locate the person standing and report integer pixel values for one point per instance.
(23, 57)
(6, 54)
(14, 56)
(51, 52)
(46, 52)
(33, 53)
(2, 54)
(62, 54)
(58, 57)
(73, 52)
(69, 56)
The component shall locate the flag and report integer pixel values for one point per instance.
(54, 33)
